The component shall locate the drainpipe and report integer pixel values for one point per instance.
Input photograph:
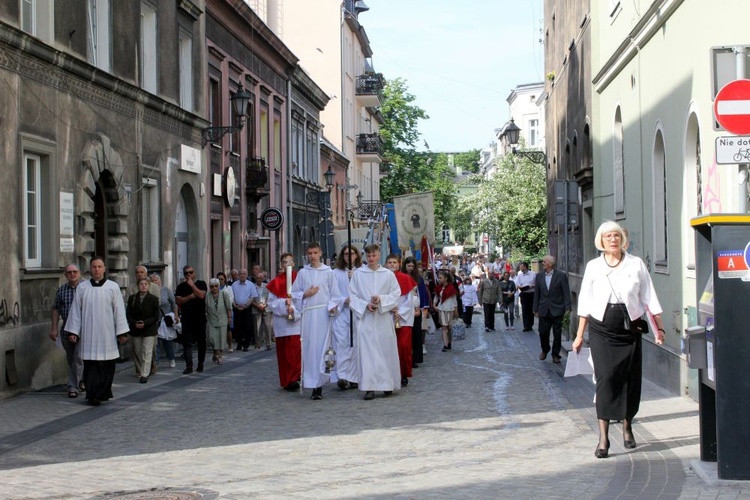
(290, 210)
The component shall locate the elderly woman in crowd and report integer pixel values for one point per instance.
(168, 307)
(616, 289)
(143, 319)
(218, 317)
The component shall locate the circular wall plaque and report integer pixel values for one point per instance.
(272, 219)
(230, 187)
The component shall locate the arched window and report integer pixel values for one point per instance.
(659, 187)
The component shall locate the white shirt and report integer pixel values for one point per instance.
(630, 282)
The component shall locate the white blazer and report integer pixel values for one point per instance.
(631, 285)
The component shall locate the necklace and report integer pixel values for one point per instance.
(613, 265)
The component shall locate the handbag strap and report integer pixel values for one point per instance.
(622, 305)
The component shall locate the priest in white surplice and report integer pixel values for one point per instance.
(374, 292)
(316, 294)
(97, 320)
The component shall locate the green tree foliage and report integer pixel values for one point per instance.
(468, 161)
(511, 206)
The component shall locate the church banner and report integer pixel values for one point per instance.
(359, 238)
(415, 217)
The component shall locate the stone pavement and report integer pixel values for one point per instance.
(486, 420)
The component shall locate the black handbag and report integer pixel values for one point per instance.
(638, 325)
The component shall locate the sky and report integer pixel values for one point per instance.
(460, 59)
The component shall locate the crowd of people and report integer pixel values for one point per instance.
(359, 325)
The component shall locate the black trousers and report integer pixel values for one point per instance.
(527, 310)
(489, 315)
(468, 311)
(417, 337)
(194, 333)
(244, 328)
(555, 324)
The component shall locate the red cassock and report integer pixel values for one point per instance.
(403, 335)
(287, 333)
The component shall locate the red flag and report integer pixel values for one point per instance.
(424, 249)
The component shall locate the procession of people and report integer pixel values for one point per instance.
(355, 325)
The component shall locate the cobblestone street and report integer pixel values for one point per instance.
(487, 420)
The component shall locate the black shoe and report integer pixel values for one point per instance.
(415, 365)
(353, 385)
(200, 368)
(294, 386)
(629, 443)
(404, 382)
(188, 370)
(244, 349)
(317, 394)
(143, 380)
(486, 330)
(369, 395)
(343, 384)
(451, 343)
(387, 393)
(93, 402)
(445, 348)
(602, 452)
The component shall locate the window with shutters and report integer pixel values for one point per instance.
(150, 221)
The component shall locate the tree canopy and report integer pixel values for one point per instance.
(511, 206)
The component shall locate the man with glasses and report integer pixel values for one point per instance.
(63, 300)
(190, 295)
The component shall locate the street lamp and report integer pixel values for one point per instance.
(239, 101)
(511, 133)
(329, 177)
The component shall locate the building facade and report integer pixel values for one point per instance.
(653, 153)
(243, 53)
(102, 156)
(568, 139)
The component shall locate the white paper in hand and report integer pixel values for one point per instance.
(579, 363)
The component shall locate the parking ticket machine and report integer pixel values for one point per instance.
(719, 346)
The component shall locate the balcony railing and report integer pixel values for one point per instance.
(369, 89)
(256, 184)
(369, 209)
(370, 145)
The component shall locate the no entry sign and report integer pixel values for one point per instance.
(732, 107)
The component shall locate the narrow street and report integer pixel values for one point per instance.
(487, 420)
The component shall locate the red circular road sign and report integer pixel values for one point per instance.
(732, 107)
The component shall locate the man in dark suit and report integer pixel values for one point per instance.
(551, 302)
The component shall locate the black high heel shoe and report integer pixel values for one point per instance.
(602, 452)
(629, 443)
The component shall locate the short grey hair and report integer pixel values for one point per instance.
(213, 281)
(609, 226)
(551, 259)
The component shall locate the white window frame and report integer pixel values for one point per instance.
(533, 126)
(149, 52)
(100, 33)
(32, 257)
(660, 200)
(185, 47)
(40, 19)
(150, 220)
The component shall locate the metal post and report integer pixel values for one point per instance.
(567, 222)
(739, 61)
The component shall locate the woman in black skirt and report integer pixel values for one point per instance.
(615, 290)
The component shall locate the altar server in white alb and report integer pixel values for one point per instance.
(97, 320)
(374, 293)
(346, 370)
(316, 294)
